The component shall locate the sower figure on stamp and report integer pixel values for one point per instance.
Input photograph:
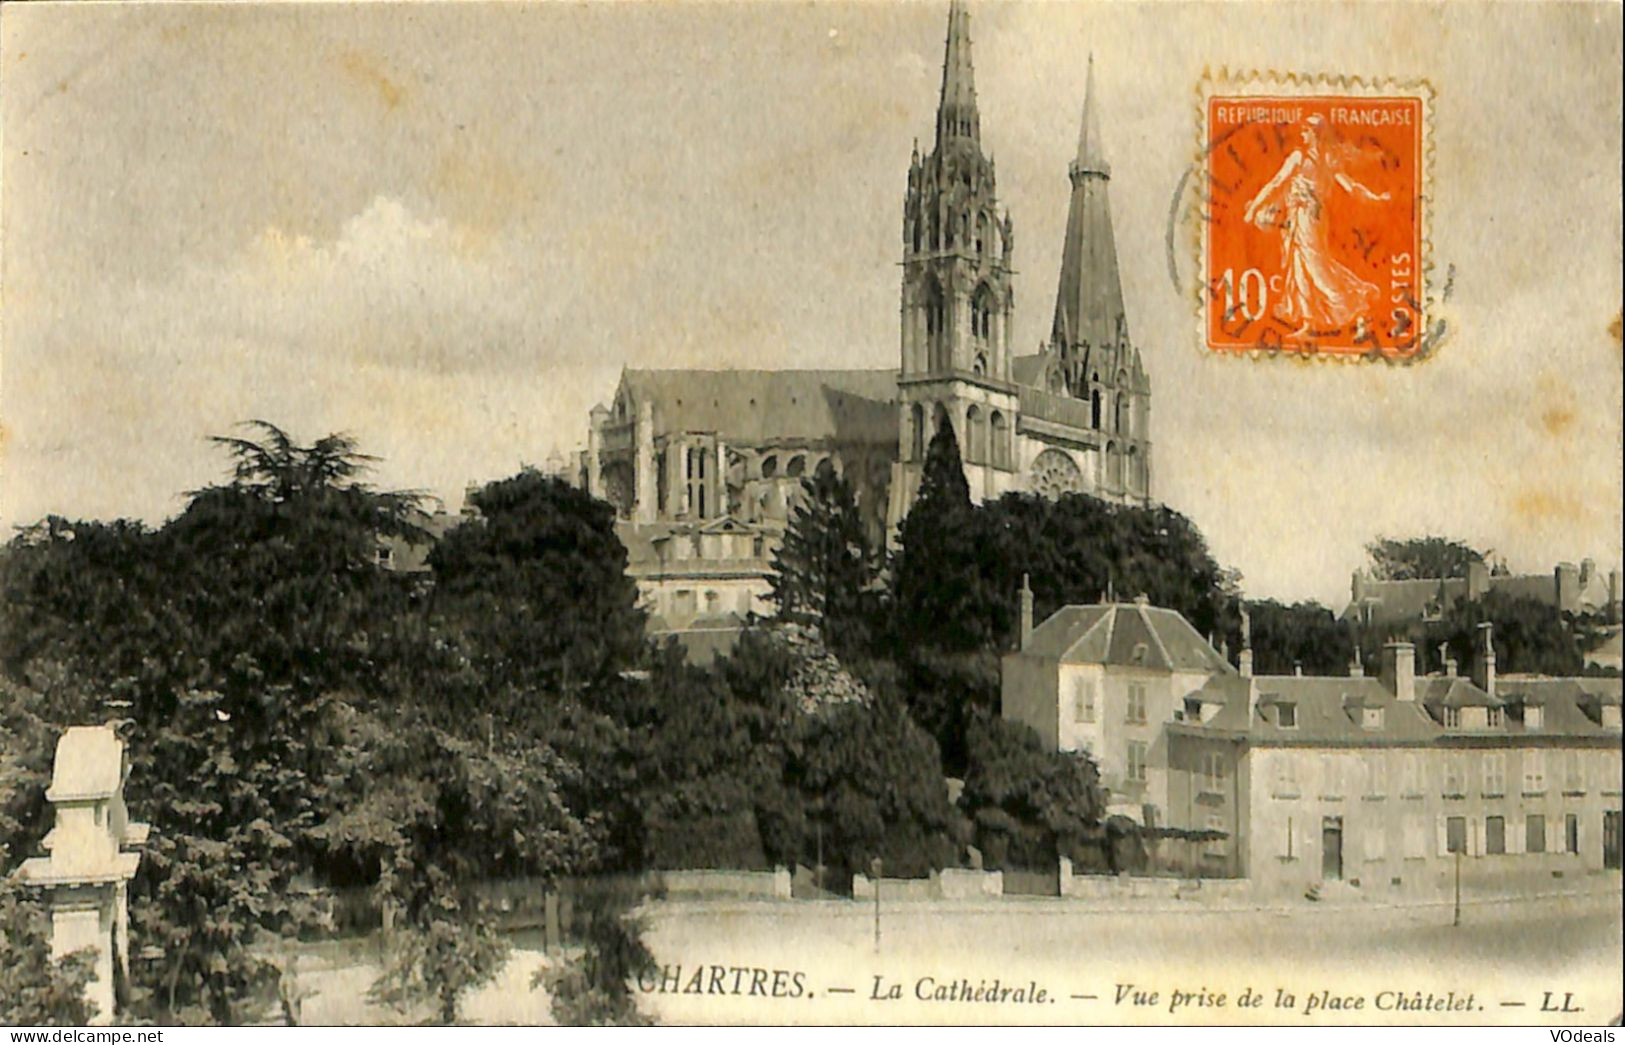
(1317, 290)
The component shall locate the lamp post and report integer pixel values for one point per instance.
(874, 872)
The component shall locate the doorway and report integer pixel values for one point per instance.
(1331, 848)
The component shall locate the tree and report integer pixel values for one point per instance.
(1303, 634)
(595, 990)
(1045, 802)
(874, 780)
(1420, 558)
(35, 990)
(823, 566)
(1530, 636)
(535, 590)
(936, 580)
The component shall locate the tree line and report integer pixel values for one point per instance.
(304, 721)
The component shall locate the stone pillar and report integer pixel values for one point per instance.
(93, 852)
(676, 478)
(595, 447)
(644, 494)
(719, 481)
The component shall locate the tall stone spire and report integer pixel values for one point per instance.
(1091, 155)
(957, 118)
(1089, 303)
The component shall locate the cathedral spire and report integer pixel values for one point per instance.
(957, 118)
(1091, 158)
(1089, 302)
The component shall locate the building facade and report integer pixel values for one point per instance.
(704, 467)
(1375, 783)
(1581, 589)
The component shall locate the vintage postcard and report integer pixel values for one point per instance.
(965, 513)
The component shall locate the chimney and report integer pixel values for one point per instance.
(1297, 668)
(1026, 613)
(1447, 663)
(1356, 669)
(1484, 658)
(1399, 670)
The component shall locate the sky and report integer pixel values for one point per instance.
(445, 228)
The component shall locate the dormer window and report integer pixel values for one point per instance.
(1452, 718)
(1371, 718)
(1494, 718)
(1141, 651)
(1286, 716)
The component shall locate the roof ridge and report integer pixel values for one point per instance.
(1090, 630)
(1145, 618)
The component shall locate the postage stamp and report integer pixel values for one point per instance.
(1316, 197)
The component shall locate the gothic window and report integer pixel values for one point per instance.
(982, 314)
(1114, 467)
(1094, 409)
(917, 438)
(975, 436)
(1120, 415)
(1055, 473)
(1001, 440)
(936, 328)
(979, 365)
(770, 466)
(981, 234)
(797, 465)
(1135, 466)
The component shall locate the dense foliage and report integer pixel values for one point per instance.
(302, 717)
(1420, 558)
(1029, 804)
(824, 565)
(1302, 634)
(35, 990)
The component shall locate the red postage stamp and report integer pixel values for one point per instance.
(1316, 203)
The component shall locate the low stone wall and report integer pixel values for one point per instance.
(959, 884)
(949, 884)
(689, 885)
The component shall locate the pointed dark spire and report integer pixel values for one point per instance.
(956, 110)
(1089, 302)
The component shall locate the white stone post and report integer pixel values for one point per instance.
(94, 852)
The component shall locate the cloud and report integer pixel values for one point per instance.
(393, 288)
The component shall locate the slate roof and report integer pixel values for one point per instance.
(1125, 634)
(1329, 710)
(1029, 370)
(1409, 599)
(766, 406)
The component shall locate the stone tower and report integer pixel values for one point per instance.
(956, 294)
(1098, 361)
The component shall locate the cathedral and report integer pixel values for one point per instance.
(703, 466)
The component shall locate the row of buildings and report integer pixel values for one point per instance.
(1375, 781)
